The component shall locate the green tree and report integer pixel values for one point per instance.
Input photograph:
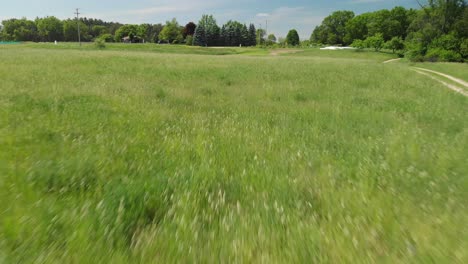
(292, 38)
(145, 32)
(19, 30)
(70, 31)
(171, 32)
(99, 30)
(464, 49)
(376, 42)
(396, 43)
(130, 31)
(49, 29)
(359, 44)
(356, 28)
(234, 33)
(199, 38)
(333, 28)
(260, 40)
(252, 35)
(271, 39)
(207, 32)
(155, 30)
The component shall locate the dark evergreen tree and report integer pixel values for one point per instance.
(245, 36)
(199, 38)
(252, 35)
(292, 38)
(207, 32)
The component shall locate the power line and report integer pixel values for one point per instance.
(78, 22)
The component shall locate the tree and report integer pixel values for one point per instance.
(272, 38)
(445, 13)
(99, 30)
(396, 43)
(333, 28)
(252, 35)
(207, 32)
(234, 33)
(49, 29)
(376, 42)
(155, 30)
(70, 30)
(260, 36)
(356, 28)
(292, 38)
(19, 30)
(189, 29)
(359, 44)
(145, 32)
(199, 38)
(464, 49)
(126, 31)
(171, 32)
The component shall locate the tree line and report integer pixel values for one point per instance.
(438, 31)
(206, 33)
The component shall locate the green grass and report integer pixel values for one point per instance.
(117, 157)
(148, 47)
(458, 70)
(345, 54)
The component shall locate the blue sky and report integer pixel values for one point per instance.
(302, 15)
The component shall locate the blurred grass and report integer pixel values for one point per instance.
(457, 70)
(114, 156)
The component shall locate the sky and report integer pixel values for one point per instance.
(281, 16)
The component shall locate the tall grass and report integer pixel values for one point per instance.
(120, 157)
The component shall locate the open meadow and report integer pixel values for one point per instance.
(163, 154)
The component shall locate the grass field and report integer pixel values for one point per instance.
(458, 70)
(142, 156)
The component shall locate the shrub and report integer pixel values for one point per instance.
(359, 44)
(438, 54)
(189, 40)
(415, 51)
(100, 43)
(376, 42)
(395, 44)
(446, 42)
(464, 49)
(107, 37)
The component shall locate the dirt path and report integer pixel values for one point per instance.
(392, 60)
(284, 51)
(448, 85)
(446, 76)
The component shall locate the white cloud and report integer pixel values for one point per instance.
(262, 15)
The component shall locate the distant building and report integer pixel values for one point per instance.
(135, 39)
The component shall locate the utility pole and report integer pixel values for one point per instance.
(78, 22)
(266, 28)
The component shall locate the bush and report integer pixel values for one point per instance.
(376, 42)
(107, 37)
(189, 40)
(443, 55)
(395, 44)
(415, 51)
(464, 49)
(446, 42)
(100, 43)
(359, 44)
